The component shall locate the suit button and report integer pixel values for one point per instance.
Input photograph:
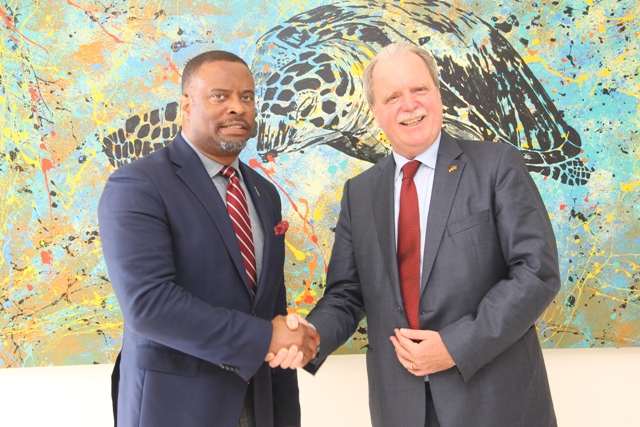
(254, 314)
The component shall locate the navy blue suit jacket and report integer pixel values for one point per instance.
(194, 334)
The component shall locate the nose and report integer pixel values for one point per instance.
(236, 106)
(409, 101)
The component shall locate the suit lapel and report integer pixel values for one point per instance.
(445, 185)
(194, 175)
(384, 220)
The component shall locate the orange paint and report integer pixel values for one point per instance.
(173, 67)
(96, 20)
(46, 257)
(255, 164)
(46, 166)
(29, 287)
(35, 96)
(563, 206)
(8, 21)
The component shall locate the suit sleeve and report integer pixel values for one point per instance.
(137, 244)
(512, 305)
(337, 314)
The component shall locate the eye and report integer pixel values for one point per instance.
(217, 96)
(392, 98)
(248, 98)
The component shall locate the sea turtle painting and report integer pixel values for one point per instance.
(309, 90)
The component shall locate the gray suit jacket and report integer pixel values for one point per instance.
(490, 270)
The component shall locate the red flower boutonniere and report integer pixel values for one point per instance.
(281, 228)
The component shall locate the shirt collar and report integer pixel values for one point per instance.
(213, 168)
(428, 157)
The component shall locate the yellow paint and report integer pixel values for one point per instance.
(297, 253)
(629, 186)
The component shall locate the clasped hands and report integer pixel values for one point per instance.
(293, 342)
(421, 352)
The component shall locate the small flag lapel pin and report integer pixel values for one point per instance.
(453, 168)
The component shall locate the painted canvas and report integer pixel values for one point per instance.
(88, 86)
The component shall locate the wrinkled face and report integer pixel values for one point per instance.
(218, 108)
(406, 104)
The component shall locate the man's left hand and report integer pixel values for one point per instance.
(421, 352)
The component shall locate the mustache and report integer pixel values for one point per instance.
(234, 120)
(415, 114)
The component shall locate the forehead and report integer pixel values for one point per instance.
(225, 74)
(407, 68)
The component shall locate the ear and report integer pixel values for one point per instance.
(185, 105)
(375, 115)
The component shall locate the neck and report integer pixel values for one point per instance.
(223, 160)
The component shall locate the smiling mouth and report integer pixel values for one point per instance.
(234, 127)
(412, 121)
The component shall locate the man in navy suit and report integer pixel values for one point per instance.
(198, 322)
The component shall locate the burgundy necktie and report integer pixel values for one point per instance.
(239, 213)
(408, 254)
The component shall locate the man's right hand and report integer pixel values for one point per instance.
(293, 342)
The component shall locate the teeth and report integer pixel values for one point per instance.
(412, 122)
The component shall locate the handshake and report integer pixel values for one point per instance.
(293, 342)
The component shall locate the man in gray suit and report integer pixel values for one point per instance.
(451, 304)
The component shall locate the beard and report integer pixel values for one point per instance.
(232, 146)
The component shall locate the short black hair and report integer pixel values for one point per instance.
(211, 56)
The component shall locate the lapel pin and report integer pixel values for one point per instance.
(453, 168)
(257, 192)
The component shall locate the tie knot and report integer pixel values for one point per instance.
(228, 172)
(409, 169)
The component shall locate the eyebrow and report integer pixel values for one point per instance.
(219, 89)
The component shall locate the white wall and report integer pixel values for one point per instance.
(590, 387)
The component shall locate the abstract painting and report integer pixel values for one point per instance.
(88, 86)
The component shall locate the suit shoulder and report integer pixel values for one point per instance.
(375, 169)
(486, 152)
(494, 148)
(152, 162)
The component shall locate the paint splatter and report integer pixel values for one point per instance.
(74, 74)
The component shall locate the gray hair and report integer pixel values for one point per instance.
(394, 50)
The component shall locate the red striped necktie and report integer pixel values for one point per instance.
(239, 213)
(408, 252)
